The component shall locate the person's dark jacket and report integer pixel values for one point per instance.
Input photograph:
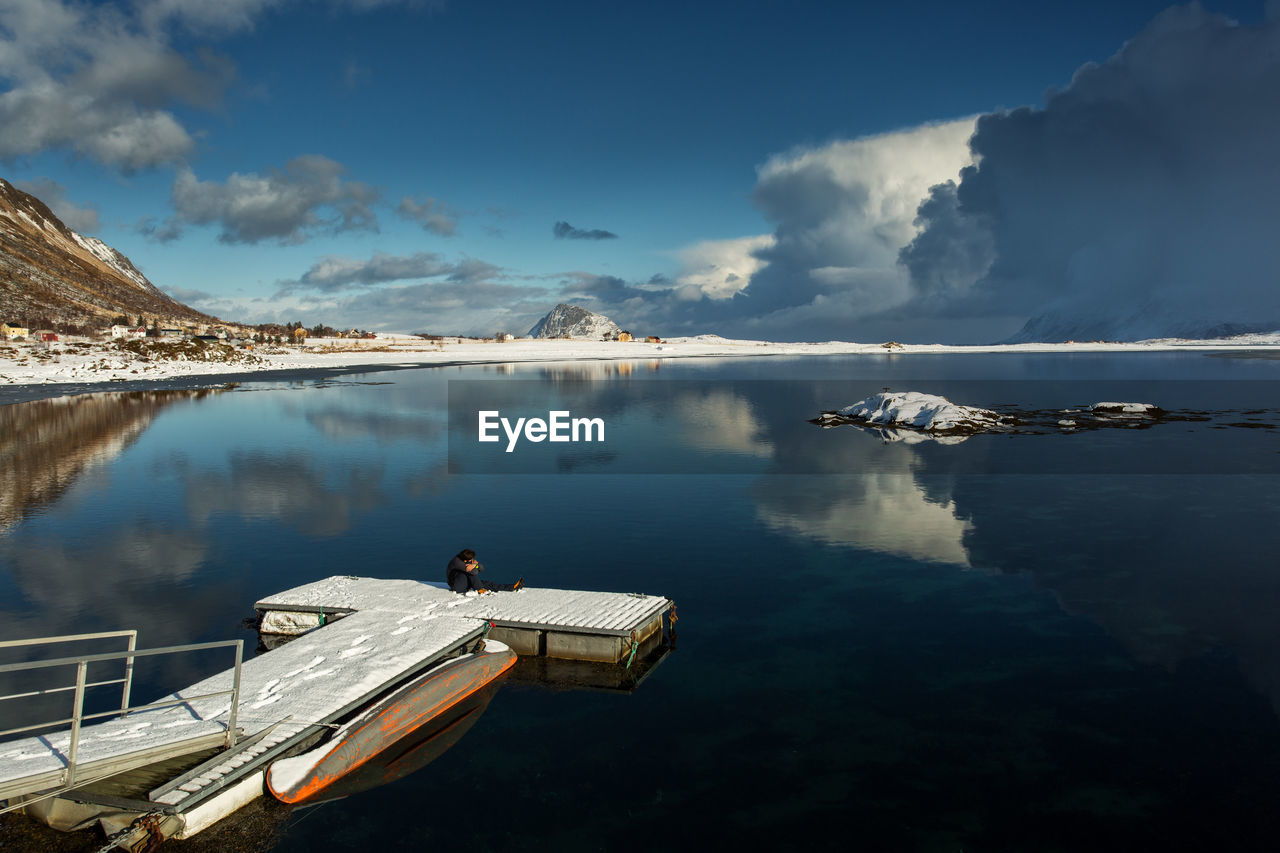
(456, 575)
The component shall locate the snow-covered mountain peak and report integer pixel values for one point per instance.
(572, 321)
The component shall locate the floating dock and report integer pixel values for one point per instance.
(373, 635)
(556, 623)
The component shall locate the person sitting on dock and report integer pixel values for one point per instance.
(463, 575)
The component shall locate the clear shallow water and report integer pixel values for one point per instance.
(887, 649)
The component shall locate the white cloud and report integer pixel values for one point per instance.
(717, 269)
(307, 196)
(89, 80)
(333, 273)
(203, 16)
(83, 219)
(432, 214)
(102, 80)
(844, 211)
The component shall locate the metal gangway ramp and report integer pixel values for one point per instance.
(256, 709)
(49, 764)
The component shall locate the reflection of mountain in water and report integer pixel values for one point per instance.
(591, 371)
(45, 445)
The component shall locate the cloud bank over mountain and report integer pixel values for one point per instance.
(1138, 202)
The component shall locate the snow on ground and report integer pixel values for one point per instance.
(79, 361)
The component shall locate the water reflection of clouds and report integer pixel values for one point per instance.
(890, 513)
(137, 576)
(52, 575)
(428, 481)
(720, 421)
(1171, 567)
(860, 493)
(384, 428)
(288, 488)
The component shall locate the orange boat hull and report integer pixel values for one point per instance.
(329, 770)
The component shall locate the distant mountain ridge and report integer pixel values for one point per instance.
(572, 321)
(1100, 325)
(51, 274)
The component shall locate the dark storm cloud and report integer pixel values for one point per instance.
(564, 231)
(1138, 202)
(608, 289)
(159, 231)
(290, 205)
(189, 296)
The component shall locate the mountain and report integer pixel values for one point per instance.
(50, 275)
(1150, 322)
(570, 321)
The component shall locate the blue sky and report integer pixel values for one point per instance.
(748, 168)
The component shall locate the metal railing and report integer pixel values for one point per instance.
(81, 663)
(127, 680)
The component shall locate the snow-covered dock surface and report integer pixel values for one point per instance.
(570, 611)
(314, 679)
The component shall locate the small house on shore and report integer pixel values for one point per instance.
(125, 333)
(14, 331)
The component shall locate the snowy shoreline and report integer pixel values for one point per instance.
(26, 366)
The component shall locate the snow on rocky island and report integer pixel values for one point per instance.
(913, 410)
(912, 417)
(1148, 409)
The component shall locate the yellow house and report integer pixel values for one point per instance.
(11, 331)
(300, 334)
(624, 336)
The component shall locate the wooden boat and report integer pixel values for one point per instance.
(431, 712)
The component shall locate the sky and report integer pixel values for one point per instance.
(915, 171)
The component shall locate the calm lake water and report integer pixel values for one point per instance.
(1048, 640)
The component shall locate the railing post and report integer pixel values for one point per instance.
(76, 713)
(128, 674)
(235, 696)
